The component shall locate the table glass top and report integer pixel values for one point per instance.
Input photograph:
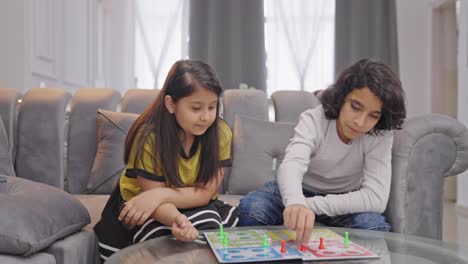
(391, 247)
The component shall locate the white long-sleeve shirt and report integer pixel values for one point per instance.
(356, 176)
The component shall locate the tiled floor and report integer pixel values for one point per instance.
(455, 223)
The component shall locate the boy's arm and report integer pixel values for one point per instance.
(296, 161)
(375, 188)
(184, 197)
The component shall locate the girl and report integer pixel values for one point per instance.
(175, 153)
(337, 167)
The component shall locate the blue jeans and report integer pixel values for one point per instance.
(264, 206)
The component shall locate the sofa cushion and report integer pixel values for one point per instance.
(79, 248)
(39, 258)
(95, 204)
(258, 148)
(6, 164)
(34, 215)
(109, 161)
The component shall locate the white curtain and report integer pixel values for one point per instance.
(161, 39)
(299, 36)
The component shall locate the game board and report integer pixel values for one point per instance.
(250, 246)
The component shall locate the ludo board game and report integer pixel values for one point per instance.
(270, 245)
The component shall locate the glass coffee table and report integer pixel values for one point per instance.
(391, 247)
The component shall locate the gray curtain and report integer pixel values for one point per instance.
(229, 35)
(365, 29)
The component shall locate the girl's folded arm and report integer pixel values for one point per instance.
(166, 214)
(183, 197)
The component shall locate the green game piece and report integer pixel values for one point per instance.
(265, 241)
(221, 231)
(346, 238)
(225, 240)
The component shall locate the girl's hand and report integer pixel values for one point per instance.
(138, 209)
(301, 219)
(183, 230)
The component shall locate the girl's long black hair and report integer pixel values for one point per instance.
(160, 126)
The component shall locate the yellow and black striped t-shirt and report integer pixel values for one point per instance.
(189, 166)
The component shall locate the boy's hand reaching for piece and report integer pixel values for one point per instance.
(183, 230)
(301, 219)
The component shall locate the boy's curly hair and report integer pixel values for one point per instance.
(380, 80)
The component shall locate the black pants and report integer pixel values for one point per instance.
(113, 235)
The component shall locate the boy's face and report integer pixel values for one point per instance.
(359, 114)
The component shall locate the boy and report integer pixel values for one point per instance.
(337, 167)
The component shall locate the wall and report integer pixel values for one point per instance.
(427, 54)
(11, 48)
(462, 197)
(413, 22)
(119, 42)
(66, 44)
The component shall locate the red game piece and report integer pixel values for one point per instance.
(321, 246)
(283, 246)
(303, 248)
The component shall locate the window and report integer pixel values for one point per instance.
(299, 42)
(299, 36)
(161, 38)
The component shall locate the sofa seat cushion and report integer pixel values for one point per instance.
(79, 248)
(231, 199)
(95, 204)
(108, 162)
(38, 258)
(34, 215)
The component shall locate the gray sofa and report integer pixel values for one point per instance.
(62, 141)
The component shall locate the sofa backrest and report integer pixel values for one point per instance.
(83, 133)
(8, 113)
(41, 136)
(427, 149)
(136, 100)
(253, 103)
(289, 105)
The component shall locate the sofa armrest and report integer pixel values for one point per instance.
(427, 149)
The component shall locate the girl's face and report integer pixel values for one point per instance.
(359, 114)
(194, 113)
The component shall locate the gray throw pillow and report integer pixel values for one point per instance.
(258, 148)
(34, 215)
(109, 160)
(6, 164)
